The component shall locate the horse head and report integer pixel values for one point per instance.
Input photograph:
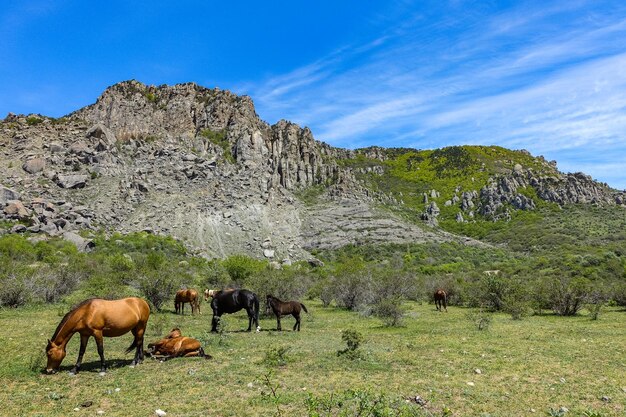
(209, 294)
(56, 354)
(175, 332)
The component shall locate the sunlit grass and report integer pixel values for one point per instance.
(538, 363)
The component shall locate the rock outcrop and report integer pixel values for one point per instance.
(198, 164)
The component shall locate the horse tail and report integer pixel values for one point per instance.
(304, 308)
(256, 309)
(132, 346)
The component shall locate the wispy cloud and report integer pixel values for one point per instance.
(549, 79)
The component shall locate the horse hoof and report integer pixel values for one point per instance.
(102, 373)
(258, 328)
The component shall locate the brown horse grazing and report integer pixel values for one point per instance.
(186, 296)
(281, 308)
(99, 318)
(441, 300)
(176, 345)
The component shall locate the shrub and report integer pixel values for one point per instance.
(353, 340)
(618, 294)
(14, 291)
(241, 267)
(33, 120)
(389, 310)
(219, 138)
(361, 403)
(490, 292)
(276, 356)
(352, 284)
(158, 287)
(480, 318)
(286, 284)
(53, 283)
(568, 295)
(595, 301)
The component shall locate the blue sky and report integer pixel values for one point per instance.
(546, 76)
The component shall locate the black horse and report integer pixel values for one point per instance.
(231, 301)
(285, 308)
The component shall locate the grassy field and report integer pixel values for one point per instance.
(529, 367)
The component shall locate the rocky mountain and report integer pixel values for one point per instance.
(200, 165)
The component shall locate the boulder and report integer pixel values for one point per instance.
(16, 209)
(35, 165)
(72, 180)
(56, 147)
(82, 244)
(7, 194)
(18, 228)
(104, 135)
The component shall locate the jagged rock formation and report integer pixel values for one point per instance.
(199, 164)
(503, 192)
(194, 163)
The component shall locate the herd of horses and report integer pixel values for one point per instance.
(99, 318)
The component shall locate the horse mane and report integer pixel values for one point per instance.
(275, 298)
(67, 316)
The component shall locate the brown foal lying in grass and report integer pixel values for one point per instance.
(175, 345)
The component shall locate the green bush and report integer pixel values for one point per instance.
(241, 267)
(15, 289)
(353, 339)
(389, 310)
(568, 295)
(276, 356)
(158, 288)
(219, 138)
(352, 284)
(480, 319)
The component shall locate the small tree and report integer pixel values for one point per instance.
(353, 340)
(568, 295)
(389, 310)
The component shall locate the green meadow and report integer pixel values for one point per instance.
(537, 366)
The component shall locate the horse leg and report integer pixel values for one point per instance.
(297, 325)
(138, 333)
(100, 344)
(250, 312)
(83, 345)
(214, 322)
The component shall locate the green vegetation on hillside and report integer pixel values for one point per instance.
(410, 173)
(219, 138)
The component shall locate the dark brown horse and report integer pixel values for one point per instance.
(282, 308)
(175, 345)
(231, 301)
(99, 318)
(441, 300)
(186, 296)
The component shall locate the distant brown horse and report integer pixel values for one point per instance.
(441, 300)
(99, 318)
(282, 308)
(186, 296)
(176, 345)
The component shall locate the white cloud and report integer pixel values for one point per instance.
(511, 80)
